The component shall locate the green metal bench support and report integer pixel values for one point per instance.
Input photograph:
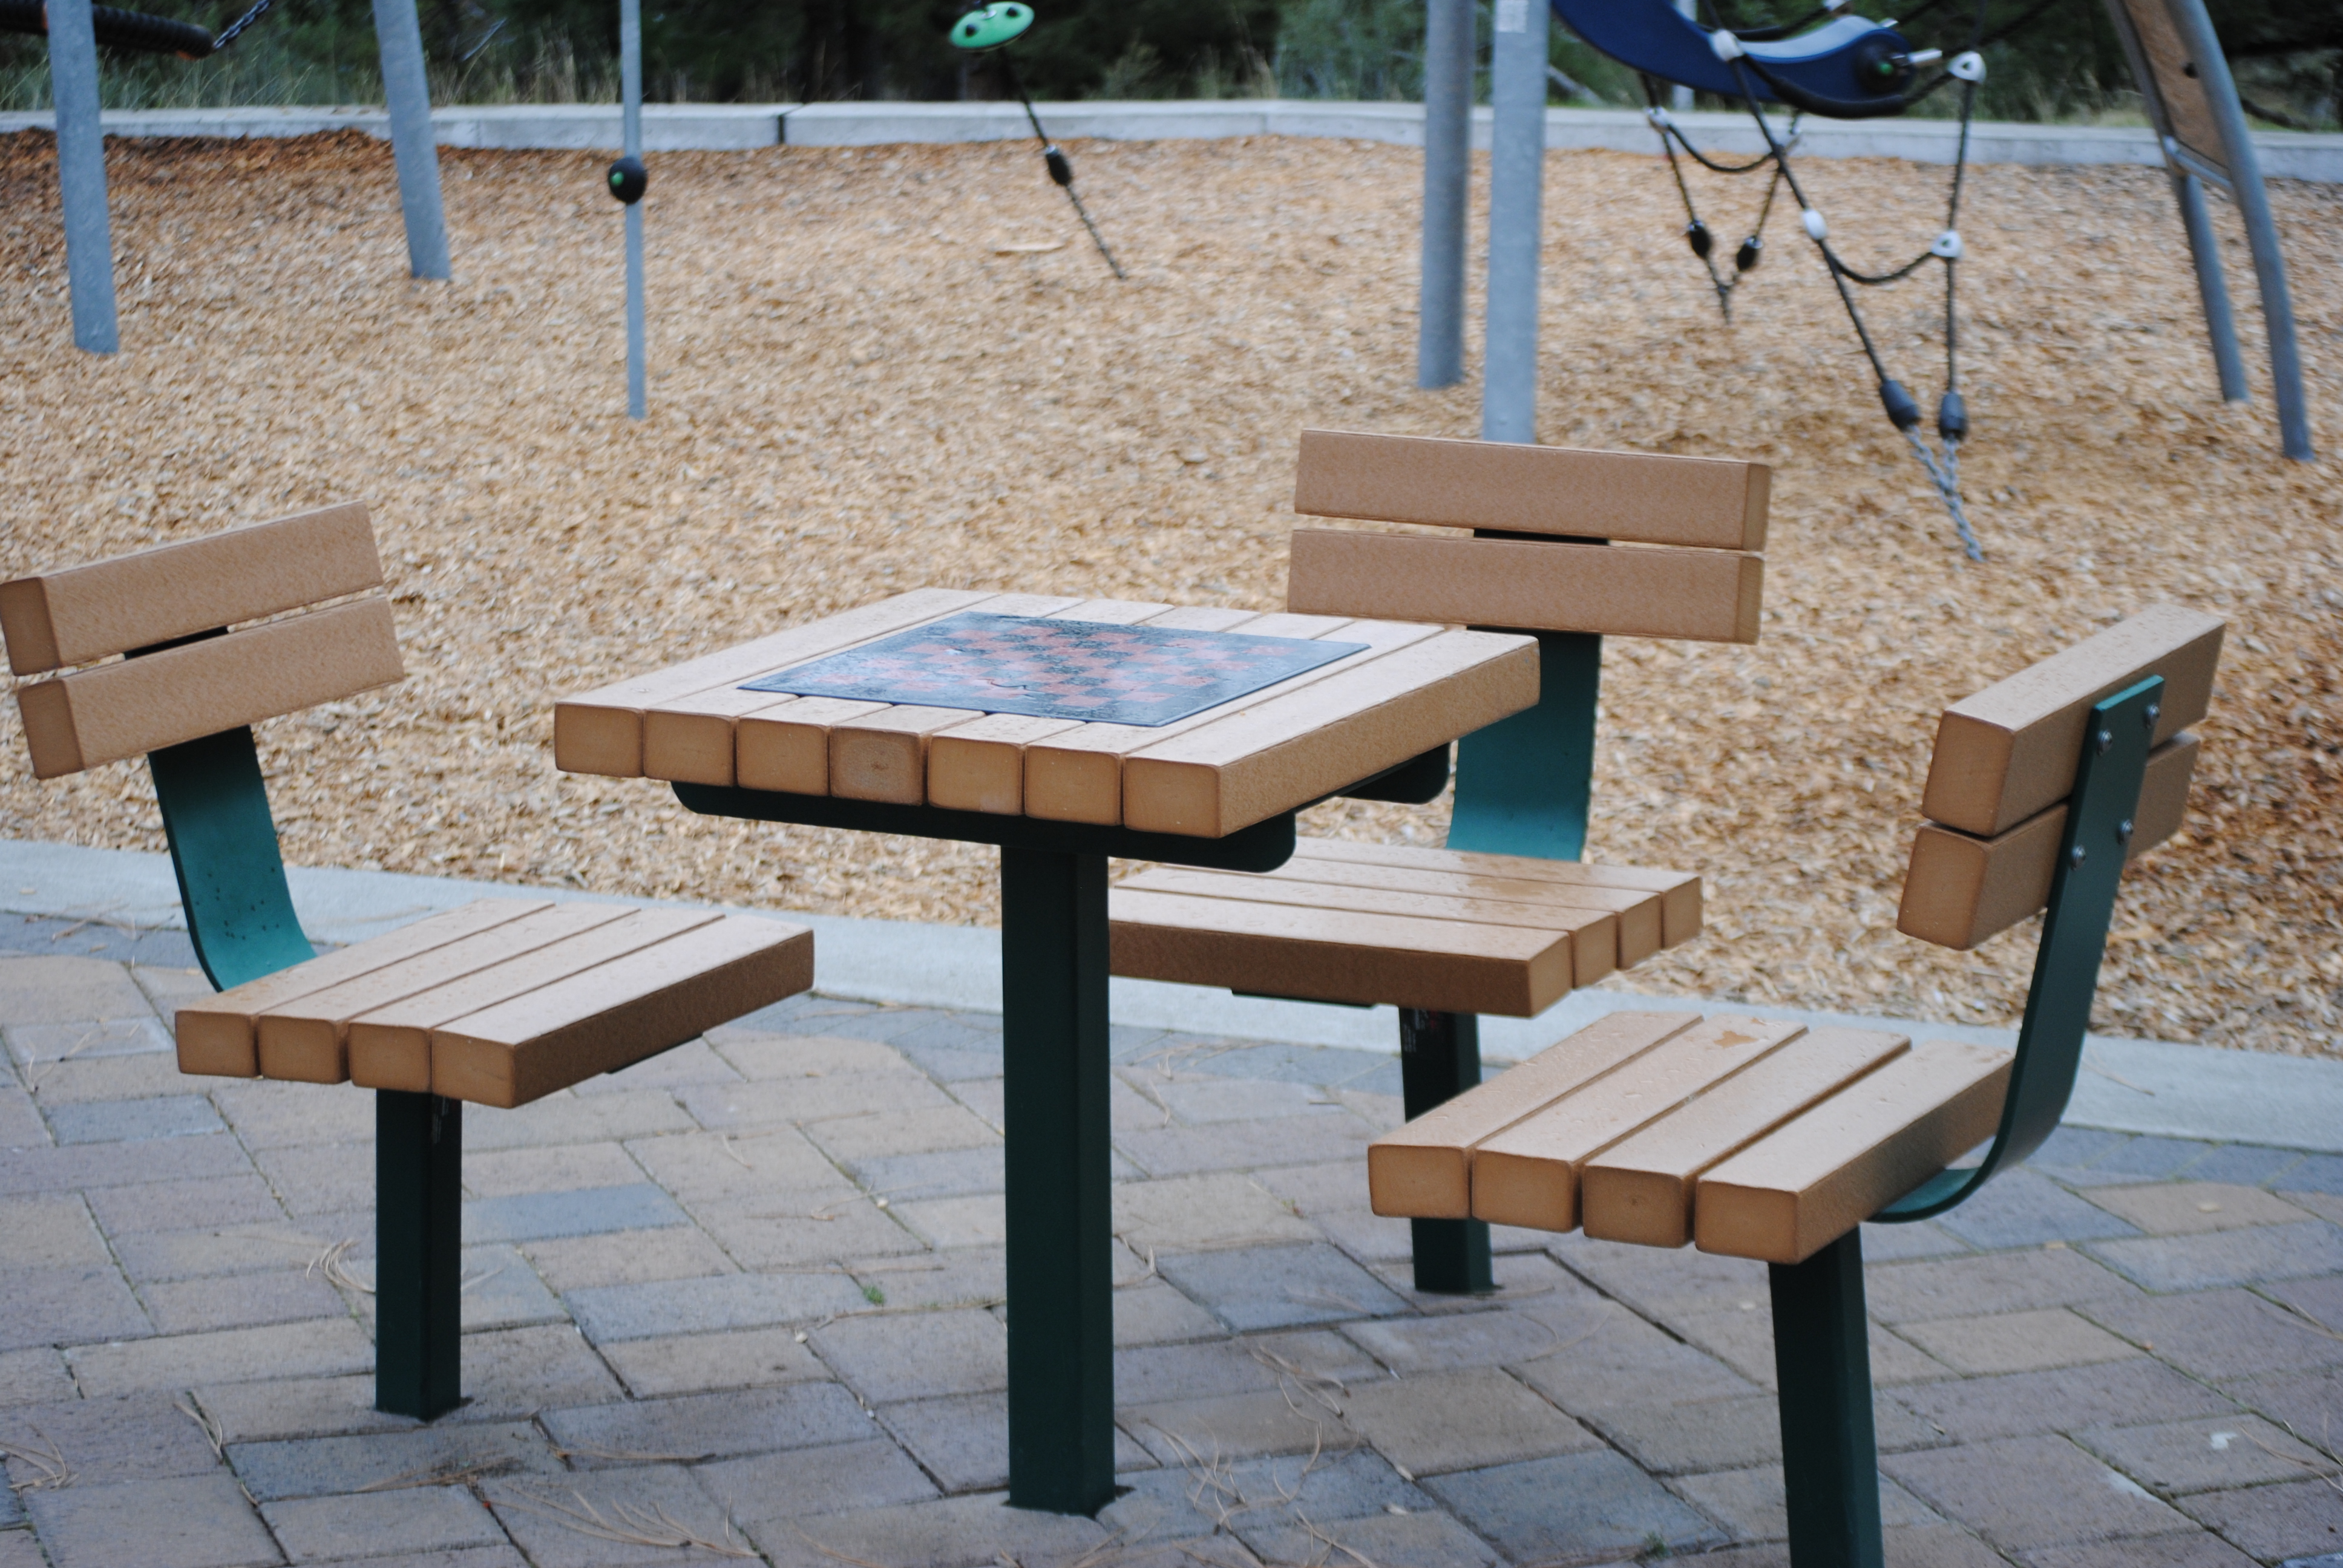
(240, 918)
(1821, 1334)
(1524, 786)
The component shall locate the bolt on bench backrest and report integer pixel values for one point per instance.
(211, 651)
(1537, 561)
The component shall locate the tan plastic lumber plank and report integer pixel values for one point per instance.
(2010, 750)
(1639, 1190)
(883, 756)
(787, 747)
(1272, 756)
(1624, 590)
(980, 766)
(216, 1035)
(1640, 913)
(1528, 1175)
(303, 1040)
(1077, 777)
(1594, 933)
(1207, 618)
(392, 1047)
(1811, 1181)
(77, 615)
(1337, 955)
(1717, 503)
(112, 711)
(690, 740)
(1423, 1171)
(602, 731)
(1961, 889)
(619, 1012)
(1679, 891)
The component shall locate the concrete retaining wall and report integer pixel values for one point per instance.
(669, 128)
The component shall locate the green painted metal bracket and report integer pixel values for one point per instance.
(418, 1237)
(1263, 846)
(1524, 784)
(1440, 1059)
(2083, 887)
(224, 851)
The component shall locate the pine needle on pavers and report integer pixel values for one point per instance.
(49, 1465)
(631, 1525)
(852, 395)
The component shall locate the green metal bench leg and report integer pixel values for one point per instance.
(418, 1219)
(1054, 969)
(1440, 1059)
(1822, 1359)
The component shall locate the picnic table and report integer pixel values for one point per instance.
(1058, 794)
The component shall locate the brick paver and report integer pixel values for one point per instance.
(749, 1295)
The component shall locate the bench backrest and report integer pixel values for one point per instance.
(2043, 788)
(211, 650)
(2005, 765)
(1530, 554)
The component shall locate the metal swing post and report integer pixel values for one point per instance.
(406, 92)
(1448, 54)
(630, 94)
(81, 175)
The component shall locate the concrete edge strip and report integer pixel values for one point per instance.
(2314, 157)
(2154, 1087)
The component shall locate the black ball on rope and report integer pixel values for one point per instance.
(628, 180)
(1696, 235)
(1751, 252)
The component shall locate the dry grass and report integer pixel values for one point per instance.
(857, 391)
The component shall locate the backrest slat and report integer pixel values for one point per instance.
(78, 614)
(2008, 752)
(1712, 503)
(118, 710)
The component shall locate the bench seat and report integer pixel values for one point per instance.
(501, 1001)
(1747, 1138)
(1442, 929)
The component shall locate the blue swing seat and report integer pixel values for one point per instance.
(1824, 66)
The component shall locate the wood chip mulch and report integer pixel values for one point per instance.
(868, 375)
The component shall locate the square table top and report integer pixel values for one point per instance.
(1409, 688)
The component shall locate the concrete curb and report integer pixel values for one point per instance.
(669, 128)
(2128, 1086)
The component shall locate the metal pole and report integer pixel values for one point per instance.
(2205, 246)
(81, 175)
(1060, 1236)
(1447, 187)
(1680, 96)
(631, 92)
(1516, 192)
(419, 1251)
(406, 91)
(2261, 230)
(1821, 1363)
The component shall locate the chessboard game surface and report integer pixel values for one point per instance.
(1056, 668)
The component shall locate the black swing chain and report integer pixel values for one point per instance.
(236, 28)
(1952, 417)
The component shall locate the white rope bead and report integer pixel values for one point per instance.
(1815, 224)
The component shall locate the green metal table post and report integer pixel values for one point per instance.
(1822, 1361)
(1054, 979)
(1054, 974)
(1523, 788)
(419, 1159)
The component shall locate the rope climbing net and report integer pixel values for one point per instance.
(1896, 72)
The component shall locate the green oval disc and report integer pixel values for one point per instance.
(991, 27)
